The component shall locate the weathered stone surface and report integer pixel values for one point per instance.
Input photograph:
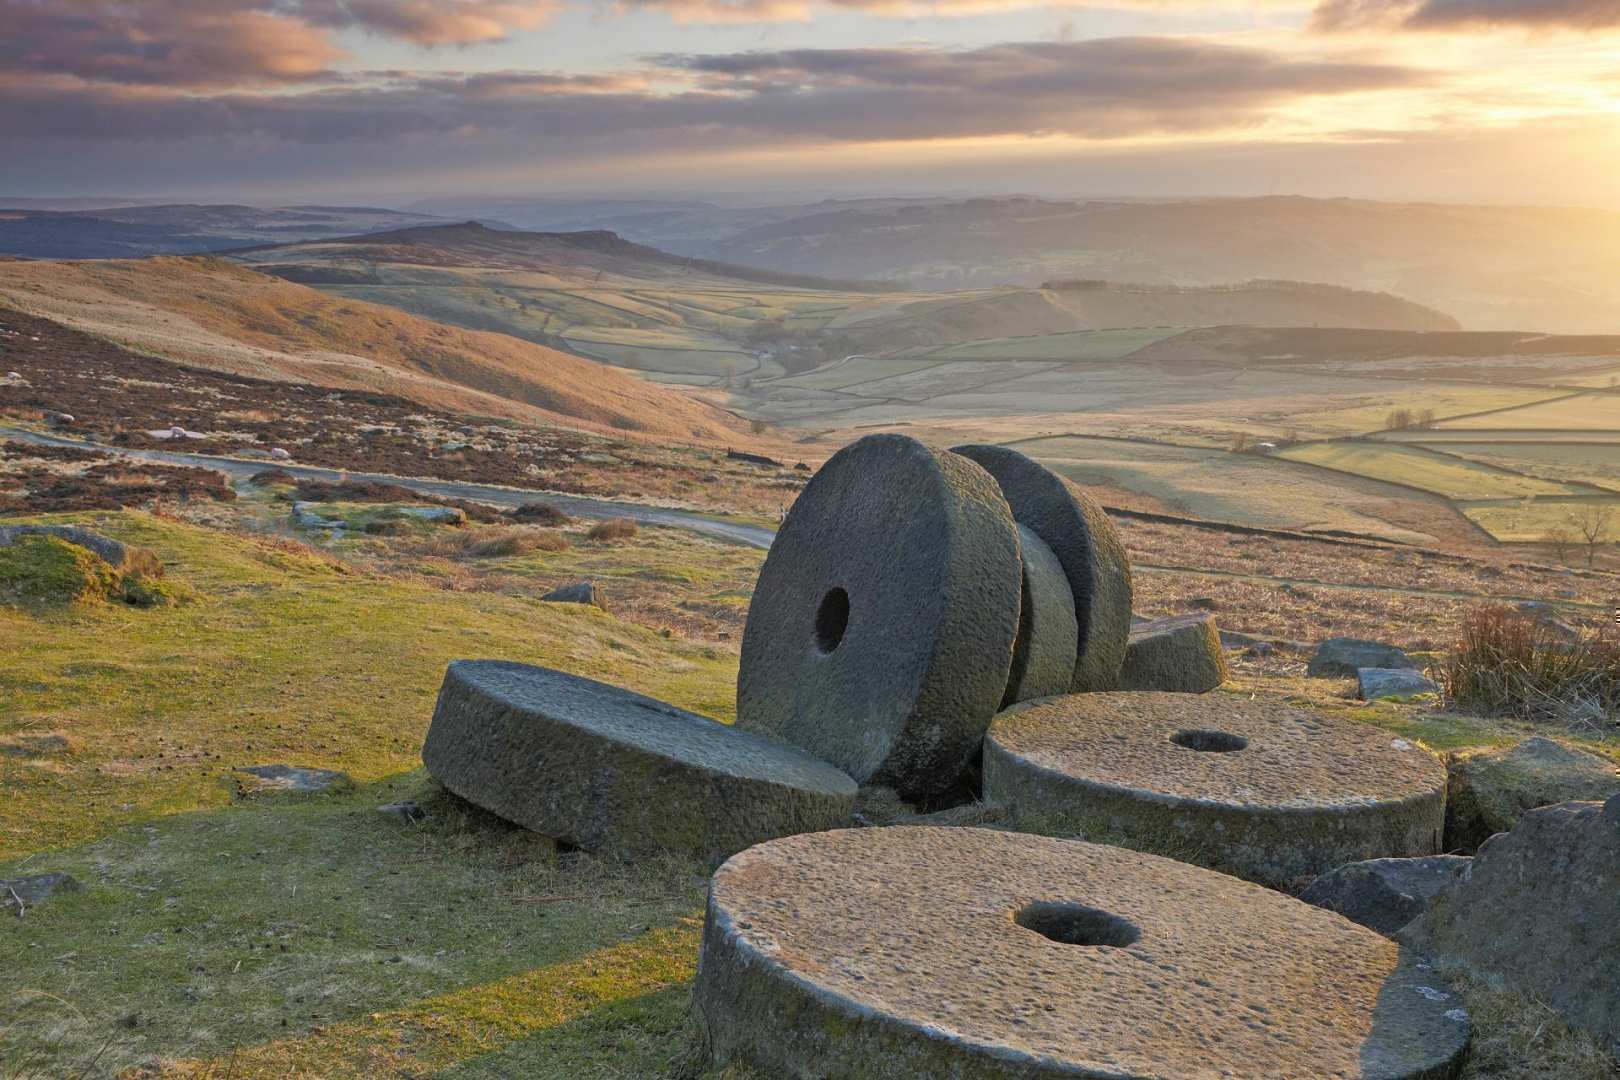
(1048, 634)
(1181, 653)
(21, 895)
(609, 770)
(881, 631)
(581, 592)
(973, 954)
(1083, 539)
(1540, 909)
(292, 778)
(1385, 894)
(1490, 789)
(1376, 683)
(1342, 656)
(1255, 788)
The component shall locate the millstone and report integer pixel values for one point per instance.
(1048, 635)
(1255, 788)
(921, 951)
(1083, 539)
(610, 770)
(881, 631)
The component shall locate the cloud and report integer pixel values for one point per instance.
(431, 22)
(760, 11)
(1584, 15)
(224, 43)
(1098, 89)
(170, 42)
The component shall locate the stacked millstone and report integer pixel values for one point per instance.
(911, 593)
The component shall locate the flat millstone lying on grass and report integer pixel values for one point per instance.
(609, 770)
(974, 954)
(880, 634)
(1255, 788)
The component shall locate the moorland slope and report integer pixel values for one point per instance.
(216, 315)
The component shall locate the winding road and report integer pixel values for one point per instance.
(239, 469)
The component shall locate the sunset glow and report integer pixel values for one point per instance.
(1439, 98)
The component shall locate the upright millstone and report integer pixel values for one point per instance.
(1048, 634)
(1079, 533)
(880, 636)
(865, 954)
(609, 770)
(1258, 789)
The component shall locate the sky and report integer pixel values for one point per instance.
(385, 101)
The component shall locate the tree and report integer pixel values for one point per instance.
(1561, 538)
(1242, 442)
(1398, 419)
(1592, 522)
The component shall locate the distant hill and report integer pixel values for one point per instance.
(1492, 267)
(704, 322)
(136, 231)
(471, 244)
(1089, 305)
(214, 314)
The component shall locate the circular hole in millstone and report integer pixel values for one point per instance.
(1077, 924)
(1213, 742)
(832, 619)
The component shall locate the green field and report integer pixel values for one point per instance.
(1530, 521)
(1587, 412)
(1077, 345)
(1415, 467)
(1221, 486)
(1589, 463)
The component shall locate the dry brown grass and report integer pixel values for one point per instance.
(502, 543)
(1518, 1038)
(1507, 663)
(608, 531)
(223, 317)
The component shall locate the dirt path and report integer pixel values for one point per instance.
(239, 469)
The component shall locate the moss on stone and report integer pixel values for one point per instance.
(43, 571)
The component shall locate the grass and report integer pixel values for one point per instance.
(261, 937)
(234, 677)
(1213, 484)
(1508, 663)
(609, 531)
(1415, 467)
(1591, 463)
(1532, 520)
(1076, 345)
(1590, 412)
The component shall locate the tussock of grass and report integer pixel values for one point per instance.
(510, 542)
(617, 529)
(1517, 1038)
(1509, 664)
(540, 513)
